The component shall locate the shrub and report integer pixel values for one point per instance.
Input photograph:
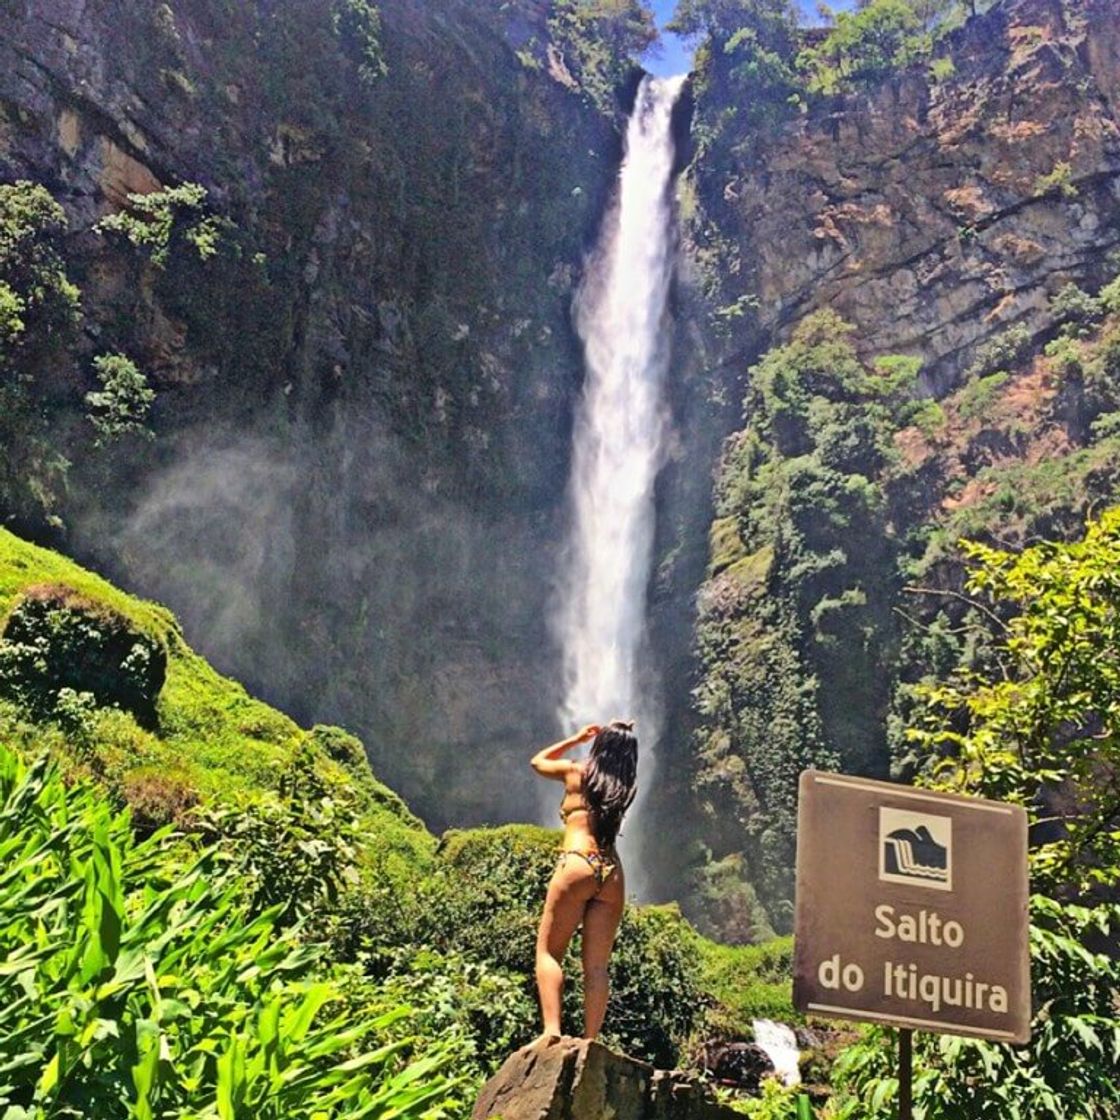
(357, 23)
(1058, 181)
(656, 998)
(748, 982)
(295, 849)
(929, 418)
(159, 221)
(942, 69)
(1075, 310)
(122, 403)
(978, 396)
(1066, 356)
(1002, 351)
(490, 1008)
(1109, 296)
(56, 638)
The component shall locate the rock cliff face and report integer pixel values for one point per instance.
(939, 219)
(364, 396)
(931, 215)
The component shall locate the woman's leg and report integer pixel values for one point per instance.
(568, 894)
(600, 924)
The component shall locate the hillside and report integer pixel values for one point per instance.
(287, 832)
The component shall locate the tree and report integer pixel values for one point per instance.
(864, 45)
(720, 19)
(39, 311)
(1043, 728)
(1038, 726)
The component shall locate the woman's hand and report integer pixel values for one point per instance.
(550, 763)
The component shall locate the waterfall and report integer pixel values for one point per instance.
(780, 1044)
(620, 428)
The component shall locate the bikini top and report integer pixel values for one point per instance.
(567, 811)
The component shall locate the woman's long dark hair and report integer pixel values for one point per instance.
(610, 779)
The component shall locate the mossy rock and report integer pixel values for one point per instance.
(725, 546)
(56, 638)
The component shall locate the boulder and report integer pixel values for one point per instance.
(576, 1079)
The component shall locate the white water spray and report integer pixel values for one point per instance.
(620, 427)
(780, 1044)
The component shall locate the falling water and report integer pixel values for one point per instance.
(780, 1044)
(619, 436)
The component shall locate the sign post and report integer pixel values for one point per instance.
(911, 911)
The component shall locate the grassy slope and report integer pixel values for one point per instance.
(212, 736)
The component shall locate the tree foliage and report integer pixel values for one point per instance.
(1038, 724)
(876, 39)
(122, 403)
(39, 305)
(599, 40)
(1041, 727)
(39, 311)
(159, 221)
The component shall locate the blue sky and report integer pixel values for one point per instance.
(676, 59)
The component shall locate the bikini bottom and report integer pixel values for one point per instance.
(602, 866)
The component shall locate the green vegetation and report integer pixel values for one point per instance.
(599, 40)
(865, 45)
(834, 592)
(40, 309)
(389, 968)
(749, 982)
(980, 394)
(797, 597)
(159, 221)
(1058, 181)
(357, 23)
(138, 982)
(754, 46)
(1001, 352)
(121, 405)
(748, 52)
(37, 300)
(1037, 726)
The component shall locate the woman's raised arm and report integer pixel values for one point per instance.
(550, 762)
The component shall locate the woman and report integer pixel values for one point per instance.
(588, 886)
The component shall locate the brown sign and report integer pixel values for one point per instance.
(911, 908)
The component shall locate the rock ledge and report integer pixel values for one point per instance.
(573, 1079)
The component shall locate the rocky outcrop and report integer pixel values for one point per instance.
(574, 1079)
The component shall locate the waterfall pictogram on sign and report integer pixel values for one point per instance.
(915, 848)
